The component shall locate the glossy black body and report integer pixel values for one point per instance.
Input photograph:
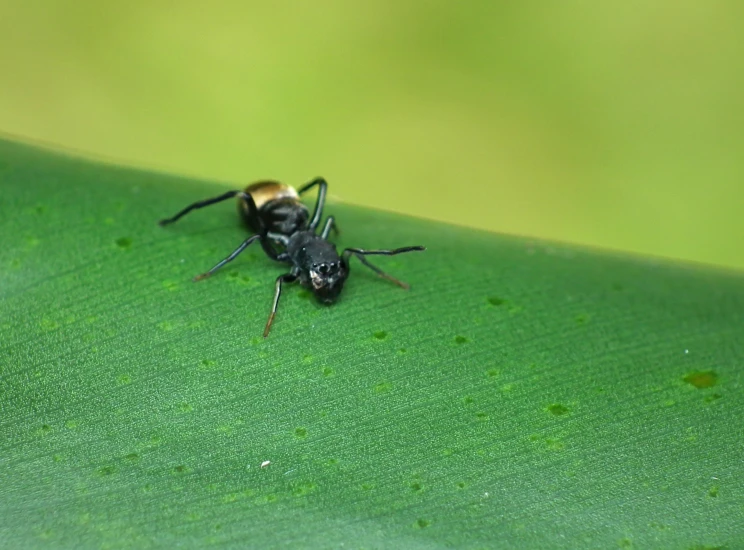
(288, 234)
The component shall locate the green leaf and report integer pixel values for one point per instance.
(521, 394)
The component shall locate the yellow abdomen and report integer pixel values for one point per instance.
(265, 191)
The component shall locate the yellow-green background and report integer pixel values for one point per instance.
(619, 124)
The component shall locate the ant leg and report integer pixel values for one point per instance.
(379, 271)
(319, 203)
(286, 278)
(201, 204)
(359, 253)
(230, 258)
(330, 224)
(385, 252)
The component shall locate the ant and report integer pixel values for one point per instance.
(274, 213)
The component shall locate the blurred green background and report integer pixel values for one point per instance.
(619, 124)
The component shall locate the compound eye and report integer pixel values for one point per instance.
(324, 269)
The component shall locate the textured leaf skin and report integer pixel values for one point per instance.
(520, 395)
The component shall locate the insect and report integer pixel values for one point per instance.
(287, 233)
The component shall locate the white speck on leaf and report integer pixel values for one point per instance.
(265, 463)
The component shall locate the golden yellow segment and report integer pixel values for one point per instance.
(265, 191)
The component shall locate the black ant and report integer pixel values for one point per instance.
(273, 211)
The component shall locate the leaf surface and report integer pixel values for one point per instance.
(522, 394)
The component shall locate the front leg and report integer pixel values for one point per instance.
(360, 253)
(286, 278)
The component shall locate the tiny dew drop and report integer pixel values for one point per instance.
(702, 379)
(124, 243)
(557, 409)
